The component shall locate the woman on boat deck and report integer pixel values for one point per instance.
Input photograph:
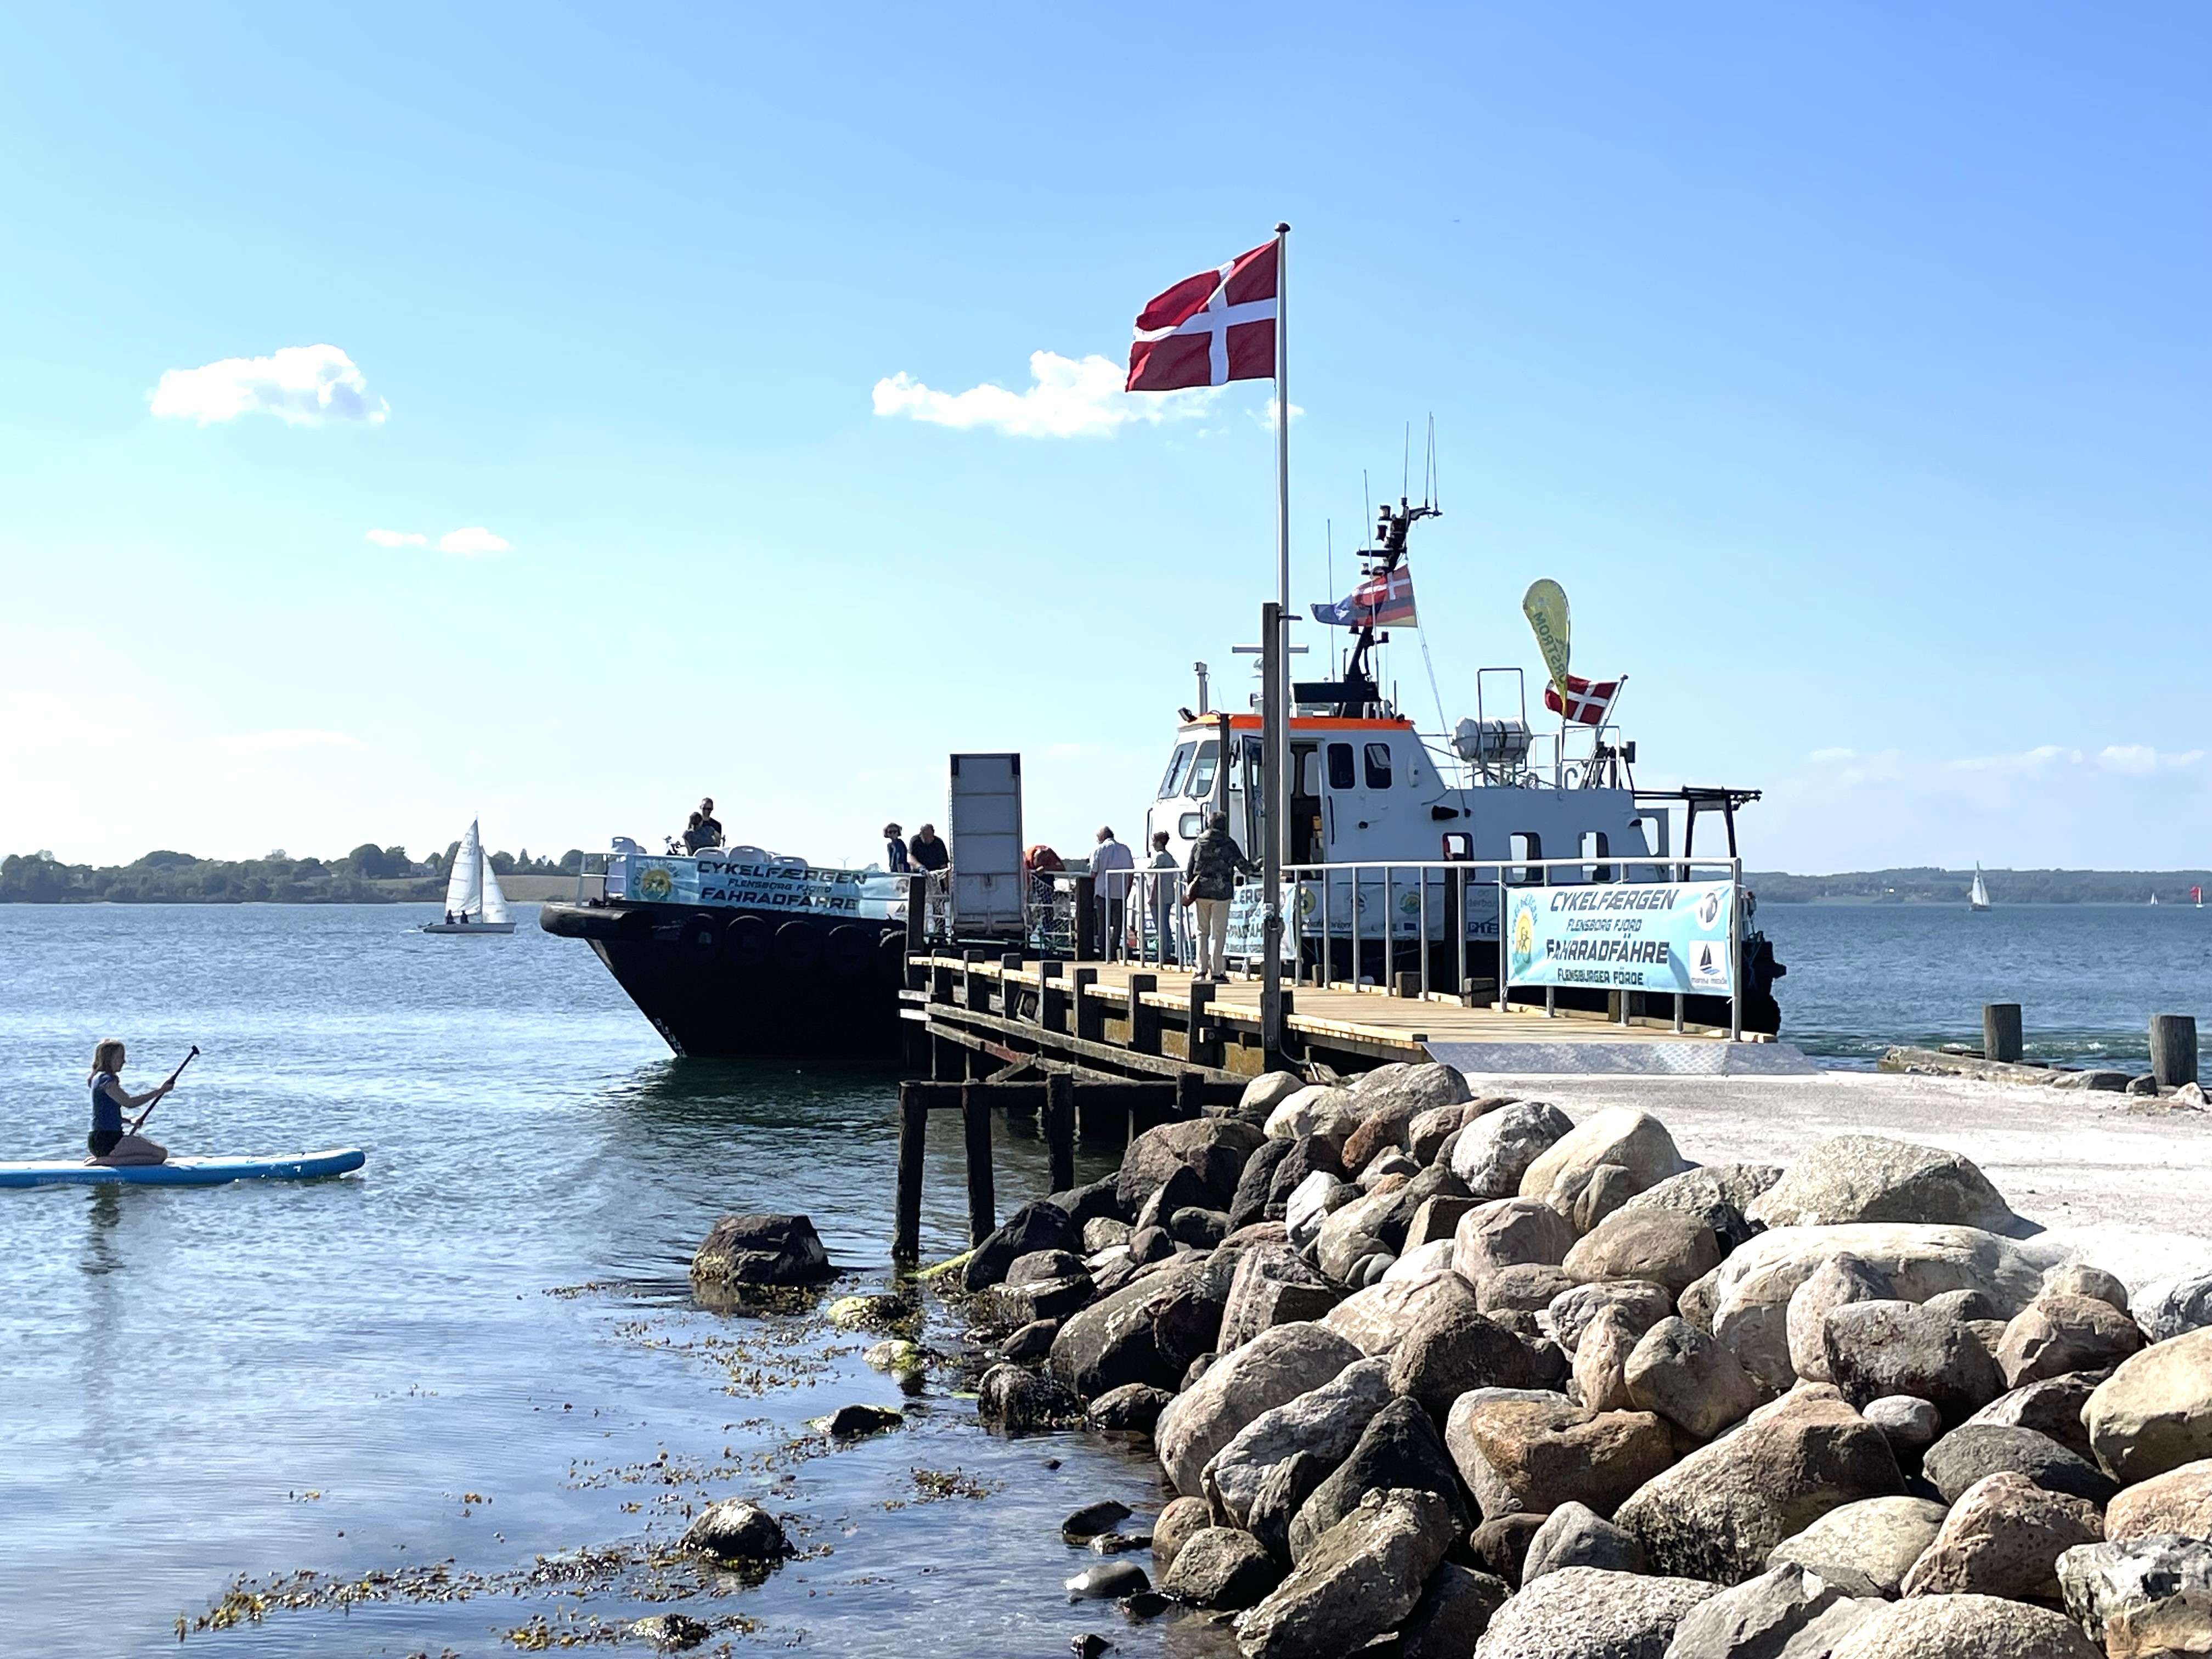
(108, 1140)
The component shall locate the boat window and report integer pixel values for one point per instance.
(1340, 775)
(1309, 772)
(1594, 846)
(1200, 782)
(1378, 765)
(1190, 824)
(1529, 846)
(1176, 768)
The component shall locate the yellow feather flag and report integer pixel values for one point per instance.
(1544, 604)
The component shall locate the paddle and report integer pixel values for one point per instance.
(138, 1121)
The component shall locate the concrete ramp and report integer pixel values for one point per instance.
(1624, 1057)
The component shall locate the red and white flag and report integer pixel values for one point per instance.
(1210, 329)
(1587, 702)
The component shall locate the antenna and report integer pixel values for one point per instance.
(1431, 486)
(1406, 465)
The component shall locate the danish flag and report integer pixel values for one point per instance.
(1210, 329)
(1587, 703)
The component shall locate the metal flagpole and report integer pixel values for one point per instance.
(1281, 780)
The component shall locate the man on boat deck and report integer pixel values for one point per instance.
(1110, 890)
(895, 859)
(109, 1142)
(931, 856)
(1216, 861)
(710, 827)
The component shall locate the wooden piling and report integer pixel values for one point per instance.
(1190, 1094)
(1052, 1001)
(976, 1124)
(1010, 989)
(1086, 921)
(976, 987)
(1060, 1128)
(917, 924)
(1090, 1016)
(1205, 1045)
(2173, 1050)
(2001, 1034)
(914, 1130)
(1144, 1021)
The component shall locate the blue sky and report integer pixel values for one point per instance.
(1848, 364)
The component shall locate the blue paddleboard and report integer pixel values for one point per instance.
(182, 1172)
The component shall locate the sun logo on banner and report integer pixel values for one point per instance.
(656, 884)
(1523, 941)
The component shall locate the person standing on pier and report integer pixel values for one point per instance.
(1110, 890)
(1160, 895)
(932, 856)
(1216, 861)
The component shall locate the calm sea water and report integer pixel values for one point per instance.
(483, 1350)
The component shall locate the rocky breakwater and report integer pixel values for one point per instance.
(1440, 1377)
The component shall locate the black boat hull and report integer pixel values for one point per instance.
(733, 983)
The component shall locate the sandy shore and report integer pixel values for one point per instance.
(2126, 1185)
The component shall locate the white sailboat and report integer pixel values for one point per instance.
(474, 903)
(1978, 897)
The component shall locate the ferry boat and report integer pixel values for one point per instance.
(740, 951)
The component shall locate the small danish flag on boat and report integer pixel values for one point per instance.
(1587, 702)
(1210, 329)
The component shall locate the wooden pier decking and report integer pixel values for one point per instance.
(1119, 1019)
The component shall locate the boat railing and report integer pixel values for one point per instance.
(1328, 902)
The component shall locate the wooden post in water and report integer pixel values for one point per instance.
(977, 989)
(975, 1123)
(1205, 1044)
(1144, 1021)
(2173, 1050)
(1060, 1128)
(917, 924)
(1010, 989)
(2001, 1031)
(1051, 1004)
(913, 1130)
(1089, 1017)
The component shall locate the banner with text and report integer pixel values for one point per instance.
(1620, 936)
(750, 885)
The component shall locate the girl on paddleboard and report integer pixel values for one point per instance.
(110, 1143)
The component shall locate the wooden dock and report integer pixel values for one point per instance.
(980, 1014)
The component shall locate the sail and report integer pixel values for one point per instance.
(494, 901)
(1979, 899)
(464, 884)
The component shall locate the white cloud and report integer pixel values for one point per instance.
(301, 386)
(259, 743)
(1266, 417)
(473, 543)
(397, 538)
(1071, 398)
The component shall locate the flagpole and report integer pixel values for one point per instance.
(1275, 747)
(1283, 518)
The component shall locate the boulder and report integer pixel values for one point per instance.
(1410, 1088)
(2080, 1279)
(1426, 1135)
(1528, 1450)
(1201, 1229)
(1601, 1362)
(1865, 1547)
(1184, 1188)
(2058, 1333)
(1257, 1182)
(2004, 1537)
(1400, 1449)
(1031, 1341)
(1963, 1627)
(736, 1529)
(1843, 1277)
(1437, 1220)
(1877, 1348)
(1273, 1285)
(762, 1250)
(2147, 1598)
(1359, 1579)
(1108, 1583)
(1147, 1246)
(1112, 1341)
(1094, 1521)
(1214, 1148)
(2155, 1412)
(1717, 1193)
(1019, 1399)
(1509, 1232)
(1099, 1200)
(2174, 1306)
(1451, 1347)
(1501, 1546)
(1667, 1247)
(1388, 1162)
(1422, 1261)
(1859, 1178)
(1035, 1300)
(1454, 1611)
(1336, 1245)
(1187, 1318)
(1632, 1140)
(1785, 1608)
(1325, 1421)
(1688, 1378)
(1266, 1092)
(1221, 1568)
(1493, 1153)
(1911, 1424)
(2052, 1407)
(1750, 1291)
(1377, 1318)
(1032, 1230)
(1529, 1288)
(1103, 1232)
(1585, 1613)
(1133, 1408)
(1976, 1450)
(1311, 1203)
(1970, 1306)
(1283, 1494)
(1383, 1131)
(1571, 1311)
(1322, 1109)
(1577, 1535)
(1182, 1520)
(1718, 1512)
(1275, 1367)
(1305, 1158)
(1609, 1187)
(2180, 1500)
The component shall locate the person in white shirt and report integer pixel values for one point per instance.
(1110, 888)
